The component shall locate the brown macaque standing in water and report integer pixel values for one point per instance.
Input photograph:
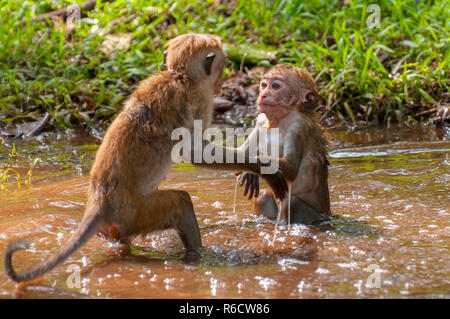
(287, 100)
(135, 156)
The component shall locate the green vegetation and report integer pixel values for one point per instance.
(390, 72)
(7, 169)
(19, 162)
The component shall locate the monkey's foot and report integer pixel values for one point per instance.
(193, 255)
(22, 286)
(122, 249)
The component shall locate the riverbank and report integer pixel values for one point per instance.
(377, 65)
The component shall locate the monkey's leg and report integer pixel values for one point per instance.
(187, 226)
(174, 209)
(303, 213)
(265, 204)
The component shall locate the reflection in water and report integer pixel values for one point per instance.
(390, 203)
(348, 227)
(235, 194)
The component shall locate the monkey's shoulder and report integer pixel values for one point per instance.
(161, 101)
(314, 136)
(163, 87)
(309, 123)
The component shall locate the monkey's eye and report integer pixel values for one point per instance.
(276, 86)
(263, 85)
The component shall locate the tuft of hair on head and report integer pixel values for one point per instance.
(302, 83)
(184, 49)
(301, 77)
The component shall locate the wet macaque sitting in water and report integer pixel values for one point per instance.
(287, 100)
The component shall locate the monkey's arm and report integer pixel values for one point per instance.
(228, 158)
(293, 153)
(289, 164)
(251, 180)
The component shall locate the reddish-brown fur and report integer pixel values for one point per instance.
(123, 200)
(135, 155)
(288, 98)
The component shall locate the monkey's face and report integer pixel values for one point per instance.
(217, 77)
(274, 93)
(218, 86)
(285, 90)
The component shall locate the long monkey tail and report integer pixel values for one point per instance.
(87, 228)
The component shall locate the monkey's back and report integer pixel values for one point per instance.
(135, 153)
(311, 183)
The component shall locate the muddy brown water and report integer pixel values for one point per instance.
(388, 237)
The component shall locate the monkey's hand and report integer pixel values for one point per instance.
(277, 183)
(251, 184)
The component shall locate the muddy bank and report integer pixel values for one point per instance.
(235, 106)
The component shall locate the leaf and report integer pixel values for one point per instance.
(426, 95)
(409, 43)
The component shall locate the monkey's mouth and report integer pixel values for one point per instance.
(266, 107)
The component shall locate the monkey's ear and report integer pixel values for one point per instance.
(311, 101)
(208, 62)
(164, 66)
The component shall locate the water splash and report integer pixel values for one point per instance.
(289, 203)
(282, 206)
(235, 195)
(275, 232)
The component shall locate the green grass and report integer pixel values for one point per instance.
(381, 74)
